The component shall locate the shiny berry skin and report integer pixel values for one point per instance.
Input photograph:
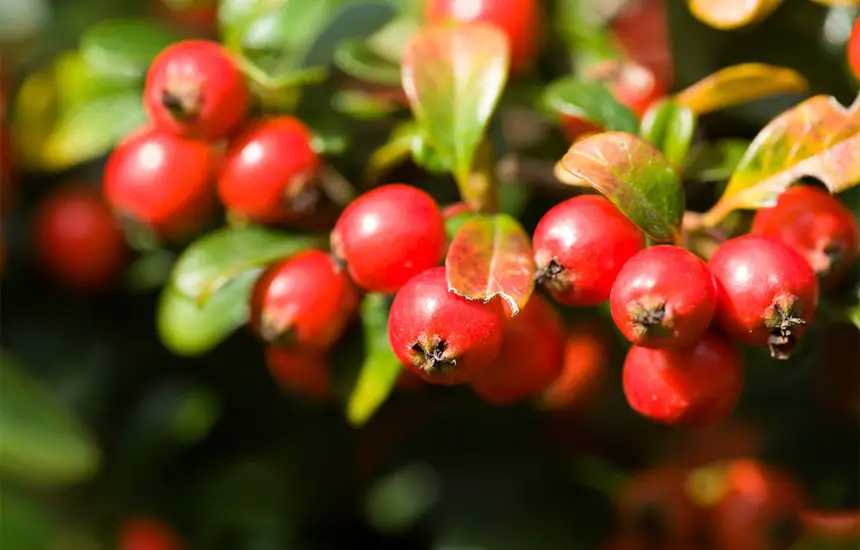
(306, 300)
(696, 385)
(389, 235)
(196, 91)
(300, 370)
(853, 50)
(142, 533)
(655, 506)
(580, 246)
(759, 510)
(78, 239)
(268, 166)
(531, 357)
(444, 338)
(767, 292)
(584, 371)
(817, 226)
(161, 181)
(520, 20)
(664, 296)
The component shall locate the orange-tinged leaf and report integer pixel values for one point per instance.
(740, 84)
(732, 14)
(818, 138)
(635, 176)
(453, 76)
(492, 256)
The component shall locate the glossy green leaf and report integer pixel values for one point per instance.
(715, 161)
(214, 260)
(454, 77)
(491, 256)
(188, 328)
(381, 367)
(41, 442)
(819, 138)
(234, 16)
(670, 127)
(635, 176)
(591, 101)
(124, 47)
(357, 60)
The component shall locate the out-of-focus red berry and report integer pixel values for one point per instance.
(142, 533)
(301, 370)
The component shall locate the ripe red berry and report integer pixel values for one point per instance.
(580, 246)
(759, 509)
(444, 338)
(767, 292)
(161, 181)
(815, 225)
(306, 301)
(531, 357)
(655, 506)
(389, 235)
(196, 91)
(520, 20)
(586, 361)
(696, 385)
(664, 296)
(78, 239)
(301, 370)
(142, 533)
(267, 170)
(853, 49)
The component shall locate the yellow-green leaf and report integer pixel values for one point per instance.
(818, 138)
(740, 84)
(732, 14)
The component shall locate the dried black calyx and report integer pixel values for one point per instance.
(434, 357)
(549, 272)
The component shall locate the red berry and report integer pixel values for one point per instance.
(301, 370)
(389, 235)
(268, 166)
(643, 32)
(195, 90)
(696, 385)
(520, 20)
(78, 239)
(759, 510)
(586, 360)
(444, 338)
(306, 300)
(580, 246)
(161, 181)
(814, 224)
(853, 49)
(147, 534)
(664, 296)
(655, 506)
(531, 357)
(767, 292)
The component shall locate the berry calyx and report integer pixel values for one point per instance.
(196, 91)
(306, 300)
(580, 246)
(696, 385)
(389, 235)
(663, 296)
(443, 337)
(268, 170)
(531, 357)
(817, 226)
(520, 20)
(143, 533)
(767, 292)
(300, 370)
(78, 239)
(161, 181)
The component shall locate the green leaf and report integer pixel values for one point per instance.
(124, 47)
(818, 138)
(357, 60)
(41, 441)
(91, 129)
(715, 161)
(363, 105)
(491, 256)
(394, 151)
(27, 522)
(234, 17)
(187, 328)
(212, 261)
(635, 176)
(381, 367)
(454, 77)
(591, 101)
(670, 127)
(352, 21)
